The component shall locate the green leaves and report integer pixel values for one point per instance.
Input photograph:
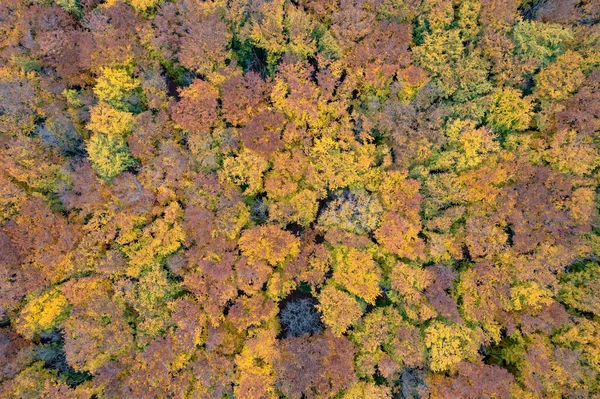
(540, 42)
(109, 155)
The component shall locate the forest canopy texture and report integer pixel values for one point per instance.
(350, 199)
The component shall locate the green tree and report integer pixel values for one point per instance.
(109, 155)
(539, 41)
(509, 111)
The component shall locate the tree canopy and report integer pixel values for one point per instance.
(353, 199)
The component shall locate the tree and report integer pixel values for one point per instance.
(109, 155)
(467, 145)
(18, 108)
(42, 313)
(269, 244)
(300, 199)
(408, 281)
(263, 133)
(510, 111)
(95, 316)
(242, 96)
(110, 121)
(340, 310)
(357, 272)
(473, 380)
(204, 38)
(300, 317)
(579, 288)
(560, 79)
(449, 344)
(315, 366)
(246, 169)
(400, 237)
(251, 276)
(367, 390)
(196, 111)
(354, 211)
(116, 87)
(251, 311)
(539, 41)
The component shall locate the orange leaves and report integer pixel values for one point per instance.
(355, 199)
(400, 237)
(197, 109)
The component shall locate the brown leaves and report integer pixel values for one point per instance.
(315, 366)
(263, 133)
(197, 109)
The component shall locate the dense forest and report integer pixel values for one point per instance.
(299, 199)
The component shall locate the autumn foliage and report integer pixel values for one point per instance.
(353, 199)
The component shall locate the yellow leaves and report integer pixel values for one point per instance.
(585, 337)
(439, 13)
(109, 155)
(339, 166)
(110, 121)
(400, 194)
(448, 344)
(42, 313)
(300, 26)
(356, 271)
(340, 310)
(231, 221)
(116, 87)
(367, 390)
(151, 295)
(30, 383)
(540, 41)
(303, 207)
(529, 295)
(267, 32)
(146, 246)
(470, 143)
(443, 247)
(254, 363)
(408, 282)
(484, 294)
(144, 5)
(438, 50)
(570, 152)
(559, 80)
(30, 163)
(581, 289)
(510, 111)
(269, 244)
(245, 169)
(468, 19)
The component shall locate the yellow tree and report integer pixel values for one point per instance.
(357, 272)
(269, 244)
(339, 309)
(448, 344)
(42, 313)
